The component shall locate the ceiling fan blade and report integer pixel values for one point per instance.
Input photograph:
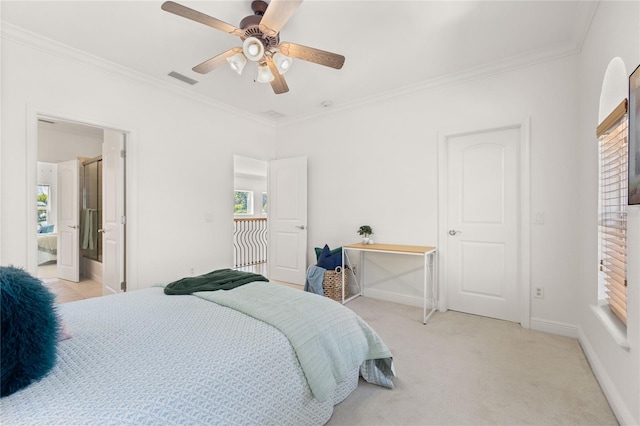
(213, 63)
(194, 15)
(277, 14)
(277, 84)
(310, 54)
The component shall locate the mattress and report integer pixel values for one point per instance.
(144, 357)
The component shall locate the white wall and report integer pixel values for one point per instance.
(180, 160)
(615, 32)
(378, 165)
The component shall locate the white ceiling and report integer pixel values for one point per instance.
(391, 47)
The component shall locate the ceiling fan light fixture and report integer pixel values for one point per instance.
(264, 74)
(253, 49)
(237, 62)
(283, 62)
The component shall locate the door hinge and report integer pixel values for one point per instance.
(123, 286)
(123, 220)
(123, 153)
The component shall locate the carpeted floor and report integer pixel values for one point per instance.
(463, 369)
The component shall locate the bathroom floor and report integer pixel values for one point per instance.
(68, 291)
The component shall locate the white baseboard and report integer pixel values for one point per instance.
(620, 410)
(554, 327)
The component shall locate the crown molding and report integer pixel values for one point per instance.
(580, 30)
(35, 41)
(494, 68)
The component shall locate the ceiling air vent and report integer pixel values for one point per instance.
(273, 114)
(182, 78)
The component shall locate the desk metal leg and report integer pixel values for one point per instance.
(430, 269)
(361, 273)
(424, 297)
(346, 261)
(343, 280)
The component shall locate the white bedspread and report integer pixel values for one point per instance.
(146, 358)
(47, 247)
(329, 340)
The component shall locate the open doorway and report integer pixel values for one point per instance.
(251, 203)
(72, 185)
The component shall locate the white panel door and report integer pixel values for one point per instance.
(482, 219)
(68, 257)
(113, 215)
(288, 220)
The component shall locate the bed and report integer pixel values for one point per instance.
(144, 357)
(47, 248)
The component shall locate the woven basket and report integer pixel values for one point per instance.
(332, 284)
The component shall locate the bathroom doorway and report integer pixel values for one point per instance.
(70, 162)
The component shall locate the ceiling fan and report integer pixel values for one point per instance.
(260, 34)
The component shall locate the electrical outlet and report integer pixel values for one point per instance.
(191, 270)
(539, 293)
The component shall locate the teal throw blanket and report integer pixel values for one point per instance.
(222, 279)
(330, 340)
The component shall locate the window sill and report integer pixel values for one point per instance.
(612, 324)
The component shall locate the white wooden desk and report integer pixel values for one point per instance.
(430, 265)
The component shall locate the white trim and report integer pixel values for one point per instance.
(525, 222)
(524, 215)
(496, 68)
(561, 50)
(619, 408)
(611, 323)
(554, 327)
(32, 114)
(65, 52)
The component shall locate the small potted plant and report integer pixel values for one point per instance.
(365, 231)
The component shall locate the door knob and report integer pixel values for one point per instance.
(73, 227)
(454, 232)
(102, 231)
(300, 226)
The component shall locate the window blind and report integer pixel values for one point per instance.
(613, 139)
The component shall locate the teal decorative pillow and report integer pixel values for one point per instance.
(30, 330)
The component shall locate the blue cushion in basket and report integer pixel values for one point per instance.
(318, 250)
(328, 260)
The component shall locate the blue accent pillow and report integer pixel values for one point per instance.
(329, 260)
(30, 330)
(318, 250)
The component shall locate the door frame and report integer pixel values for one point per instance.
(32, 115)
(523, 214)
